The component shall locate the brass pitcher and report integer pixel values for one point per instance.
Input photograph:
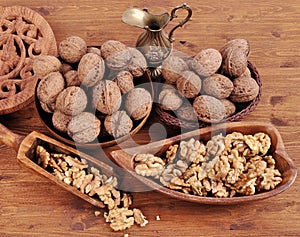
(155, 44)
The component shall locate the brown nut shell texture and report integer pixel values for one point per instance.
(72, 49)
(91, 69)
(243, 44)
(209, 109)
(116, 54)
(234, 62)
(245, 89)
(189, 84)
(44, 64)
(71, 101)
(118, 124)
(84, 127)
(138, 103)
(207, 62)
(49, 88)
(107, 97)
(172, 68)
(218, 86)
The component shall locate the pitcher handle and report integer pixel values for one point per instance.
(181, 23)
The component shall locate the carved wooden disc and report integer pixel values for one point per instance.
(24, 34)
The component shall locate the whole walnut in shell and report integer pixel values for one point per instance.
(49, 87)
(234, 62)
(71, 78)
(218, 86)
(61, 121)
(209, 109)
(243, 44)
(71, 101)
(172, 68)
(84, 128)
(124, 81)
(138, 64)
(118, 124)
(107, 97)
(245, 89)
(189, 84)
(115, 54)
(91, 69)
(44, 64)
(169, 99)
(206, 62)
(72, 49)
(138, 103)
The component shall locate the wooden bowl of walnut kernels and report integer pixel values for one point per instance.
(283, 164)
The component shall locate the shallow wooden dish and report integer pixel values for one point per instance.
(103, 141)
(284, 164)
(25, 146)
(24, 34)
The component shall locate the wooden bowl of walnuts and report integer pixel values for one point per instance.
(91, 96)
(211, 87)
(224, 164)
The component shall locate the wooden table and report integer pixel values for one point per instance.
(30, 205)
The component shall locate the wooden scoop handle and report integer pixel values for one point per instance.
(9, 138)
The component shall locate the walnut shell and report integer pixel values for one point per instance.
(71, 101)
(189, 84)
(206, 62)
(172, 68)
(84, 127)
(115, 54)
(124, 81)
(91, 69)
(118, 124)
(138, 103)
(234, 62)
(45, 64)
(238, 43)
(49, 88)
(245, 89)
(218, 86)
(138, 64)
(209, 109)
(106, 97)
(169, 99)
(71, 78)
(72, 49)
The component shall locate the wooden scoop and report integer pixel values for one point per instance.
(284, 164)
(26, 147)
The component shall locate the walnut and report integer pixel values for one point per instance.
(171, 153)
(234, 62)
(71, 78)
(91, 69)
(215, 146)
(138, 64)
(207, 62)
(172, 68)
(45, 64)
(116, 54)
(120, 218)
(218, 189)
(124, 80)
(243, 44)
(72, 49)
(139, 218)
(148, 165)
(192, 151)
(169, 99)
(269, 179)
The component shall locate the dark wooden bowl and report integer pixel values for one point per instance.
(102, 140)
(124, 158)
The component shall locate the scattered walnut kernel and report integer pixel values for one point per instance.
(236, 164)
(75, 171)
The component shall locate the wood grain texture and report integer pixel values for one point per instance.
(31, 205)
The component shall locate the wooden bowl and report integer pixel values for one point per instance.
(124, 158)
(102, 140)
(21, 46)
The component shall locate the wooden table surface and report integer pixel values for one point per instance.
(30, 205)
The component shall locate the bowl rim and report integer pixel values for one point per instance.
(279, 150)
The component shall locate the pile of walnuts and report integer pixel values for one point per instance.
(76, 172)
(90, 91)
(227, 166)
(211, 86)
